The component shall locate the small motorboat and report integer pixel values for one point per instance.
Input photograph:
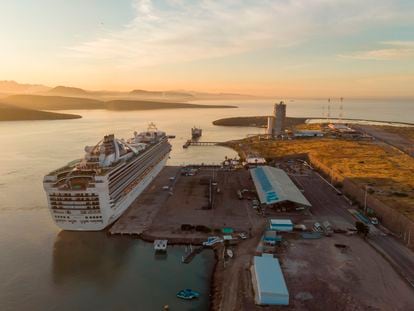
(188, 294)
(212, 240)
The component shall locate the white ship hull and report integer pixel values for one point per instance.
(92, 193)
(108, 214)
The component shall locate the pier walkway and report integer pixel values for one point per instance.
(189, 143)
(187, 258)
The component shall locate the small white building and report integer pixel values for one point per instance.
(255, 161)
(340, 127)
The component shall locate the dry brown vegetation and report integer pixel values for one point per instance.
(309, 126)
(384, 168)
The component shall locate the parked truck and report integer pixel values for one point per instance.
(327, 228)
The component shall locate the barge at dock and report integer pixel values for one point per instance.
(91, 193)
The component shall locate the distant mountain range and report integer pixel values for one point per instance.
(13, 88)
(28, 101)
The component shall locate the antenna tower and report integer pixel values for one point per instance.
(341, 109)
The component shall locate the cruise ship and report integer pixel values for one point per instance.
(91, 193)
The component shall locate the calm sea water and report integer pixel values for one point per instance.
(42, 268)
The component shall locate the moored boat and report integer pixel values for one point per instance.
(188, 294)
(196, 132)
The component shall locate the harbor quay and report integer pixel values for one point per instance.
(185, 205)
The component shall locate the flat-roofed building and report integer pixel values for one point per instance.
(281, 225)
(268, 281)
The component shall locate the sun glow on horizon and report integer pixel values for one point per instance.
(273, 48)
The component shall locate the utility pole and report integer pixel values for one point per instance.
(329, 112)
(365, 199)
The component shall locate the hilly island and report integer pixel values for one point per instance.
(30, 107)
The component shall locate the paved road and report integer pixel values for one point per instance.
(327, 204)
(400, 256)
(393, 139)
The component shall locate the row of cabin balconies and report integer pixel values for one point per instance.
(74, 207)
(80, 199)
(59, 194)
(60, 203)
(77, 205)
(62, 211)
(115, 189)
(133, 182)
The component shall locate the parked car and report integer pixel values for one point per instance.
(317, 227)
(374, 220)
(327, 228)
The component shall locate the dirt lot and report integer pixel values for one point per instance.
(159, 213)
(320, 276)
(186, 205)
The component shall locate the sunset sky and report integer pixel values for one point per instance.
(282, 48)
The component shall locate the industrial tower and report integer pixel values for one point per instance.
(280, 117)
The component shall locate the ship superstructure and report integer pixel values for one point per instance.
(196, 132)
(91, 193)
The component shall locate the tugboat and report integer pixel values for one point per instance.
(196, 132)
(188, 294)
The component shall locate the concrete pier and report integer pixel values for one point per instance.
(159, 212)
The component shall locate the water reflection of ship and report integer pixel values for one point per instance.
(90, 256)
(160, 256)
(196, 132)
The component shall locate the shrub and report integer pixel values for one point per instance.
(202, 228)
(187, 227)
